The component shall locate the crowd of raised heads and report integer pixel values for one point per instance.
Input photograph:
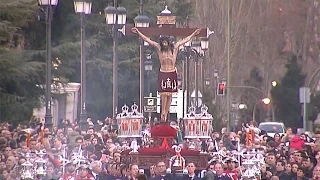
(96, 153)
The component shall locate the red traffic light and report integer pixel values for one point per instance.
(221, 86)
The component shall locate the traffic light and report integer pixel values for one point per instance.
(221, 89)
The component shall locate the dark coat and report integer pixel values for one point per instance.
(166, 177)
(186, 177)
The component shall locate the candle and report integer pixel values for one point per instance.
(28, 139)
(42, 134)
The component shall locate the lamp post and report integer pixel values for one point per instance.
(200, 47)
(186, 53)
(83, 7)
(48, 4)
(115, 18)
(216, 77)
(148, 68)
(197, 47)
(141, 21)
(265, 101)
(235, 107)
(228, 65)
(204, 42)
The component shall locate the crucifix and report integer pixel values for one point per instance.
(167, 52)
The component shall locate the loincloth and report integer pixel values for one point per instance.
(167, 82)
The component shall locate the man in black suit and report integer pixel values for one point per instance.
(161, 172)
(96, 171)
(219, 173)
(191, 167)
(134, 171)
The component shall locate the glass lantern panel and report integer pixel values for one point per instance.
(148, 67)
(44, 2)
(122, 19)
(138, 24)
(53, 2)
(111, 19)
(146, 24)
(79, 7)
(88, 7)
(204, 45)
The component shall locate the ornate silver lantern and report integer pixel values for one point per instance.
(248, 171)
(27, 171)
(198, 125)
(41, 164)
(130, 123)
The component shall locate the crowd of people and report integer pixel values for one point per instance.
(97, 154)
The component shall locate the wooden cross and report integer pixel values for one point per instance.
(169, 31)
(166, 27)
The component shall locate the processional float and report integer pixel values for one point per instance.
(158, 143)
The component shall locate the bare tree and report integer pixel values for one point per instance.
(263, 33)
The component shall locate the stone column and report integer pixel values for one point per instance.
(72, 91)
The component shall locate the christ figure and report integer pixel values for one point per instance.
(167, 78)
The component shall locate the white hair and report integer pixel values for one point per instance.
(95, 164)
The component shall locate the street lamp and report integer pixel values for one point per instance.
(235, 108)
(207, 81)
(142, 21)
(274, 83)
(265, 101)
(242, 106)
(215, 74)
(48, 4)
(204, 43)
(116, 18)
(148, 65)
(83, 7)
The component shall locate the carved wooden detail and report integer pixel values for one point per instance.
(145, 161)
(166, 19)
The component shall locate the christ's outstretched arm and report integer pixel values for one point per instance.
(187, 39)
(145, 38)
